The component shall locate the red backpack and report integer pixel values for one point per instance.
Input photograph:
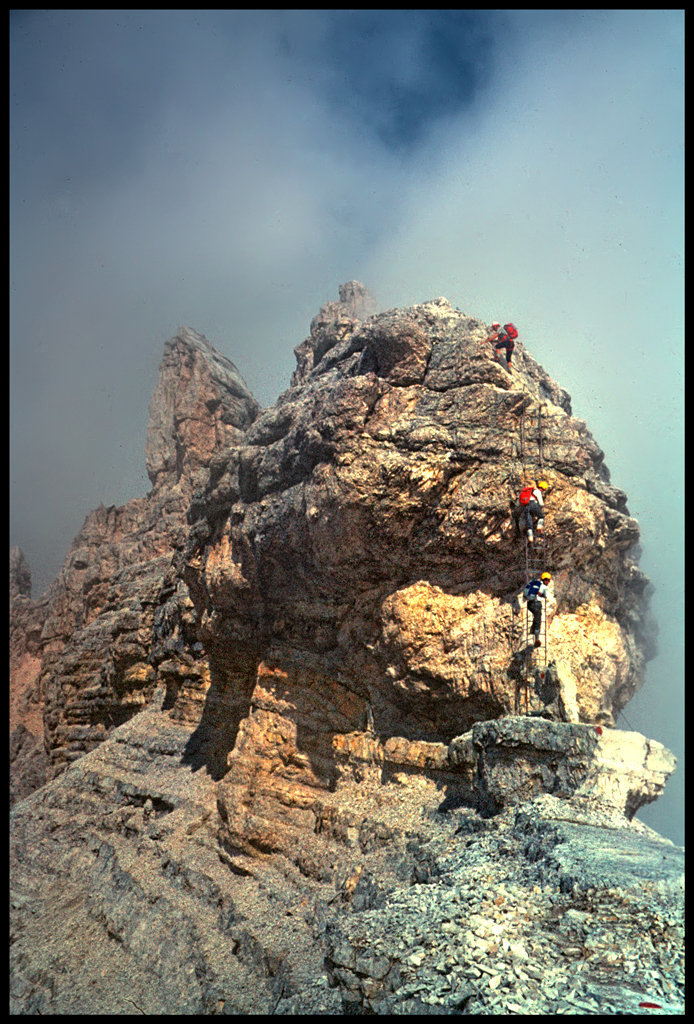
(525, 495)
(511, 330)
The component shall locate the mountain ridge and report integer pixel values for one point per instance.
(299, 658)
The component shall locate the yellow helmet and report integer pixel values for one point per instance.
(545, 577)
(543, 485)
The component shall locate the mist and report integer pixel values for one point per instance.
(227, 170)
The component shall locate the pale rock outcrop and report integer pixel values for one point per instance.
(606, 772)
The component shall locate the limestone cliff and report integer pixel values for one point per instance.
(350, 547)
(277, 679)
(354, 559)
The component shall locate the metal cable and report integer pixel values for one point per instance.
(541, 550)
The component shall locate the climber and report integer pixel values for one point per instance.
(531, 510)
(533, 593)
(504, 337)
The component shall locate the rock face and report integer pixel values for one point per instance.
(128, 896)
(91, 646)
(274, 681)
(607, 770)
(200, 405)
(356, 554)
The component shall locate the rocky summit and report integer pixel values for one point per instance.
(281, 739)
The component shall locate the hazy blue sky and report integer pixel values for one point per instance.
(227, 170)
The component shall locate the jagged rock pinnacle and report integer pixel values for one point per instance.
(20, 574)
(200, 403)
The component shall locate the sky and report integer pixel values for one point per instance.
(226, 170)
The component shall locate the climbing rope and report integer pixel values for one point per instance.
(622, 715)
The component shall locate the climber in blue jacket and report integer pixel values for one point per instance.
(533, 593)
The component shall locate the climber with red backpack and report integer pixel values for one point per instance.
(531, 509)
(504, 338)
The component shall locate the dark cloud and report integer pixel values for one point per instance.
(395, 73)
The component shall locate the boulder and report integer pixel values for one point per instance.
(606, 771)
